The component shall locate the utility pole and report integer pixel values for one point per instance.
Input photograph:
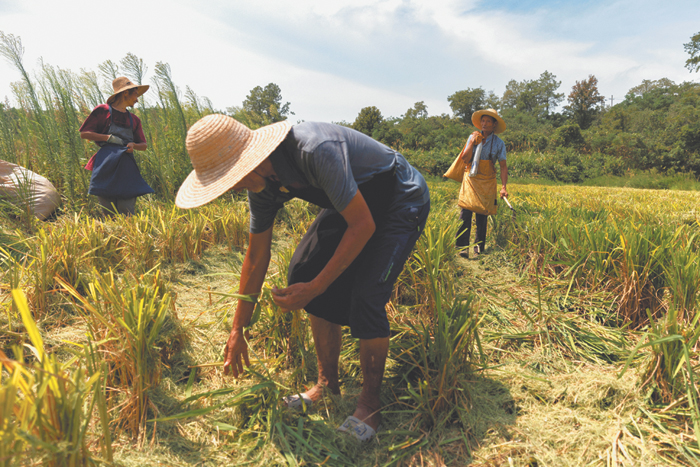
(611, 101)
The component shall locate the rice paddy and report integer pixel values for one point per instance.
(572, 341)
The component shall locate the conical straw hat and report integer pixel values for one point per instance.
(476, 119)
(122, 84)
(223, 151)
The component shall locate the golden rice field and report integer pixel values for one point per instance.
(572, 341)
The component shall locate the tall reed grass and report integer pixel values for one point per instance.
(42, 133)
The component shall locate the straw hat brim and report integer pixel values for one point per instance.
(476, 119)
(142, 90)
(206, 184)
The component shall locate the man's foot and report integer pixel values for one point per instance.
(360, 430)
(298, 401)
(464, 254)
(309, 397)
(476, 251)
(373, 418)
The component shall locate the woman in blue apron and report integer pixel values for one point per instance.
(116, 180)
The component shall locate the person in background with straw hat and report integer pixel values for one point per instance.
(375, 206)
(116, 179)
(478, 193)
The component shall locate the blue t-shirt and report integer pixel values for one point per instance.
(494, 149)
(334, 159)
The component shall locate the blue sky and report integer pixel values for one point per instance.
(333, 57)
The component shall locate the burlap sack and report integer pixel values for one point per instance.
(28, 190)
(456, 170)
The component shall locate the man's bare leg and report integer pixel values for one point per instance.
(327, 338)
(373, 354)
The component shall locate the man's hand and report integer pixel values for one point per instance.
(477, 138)
(294, 297)
(236, 354)
(130, 147)
(115, 140)
(504, 193)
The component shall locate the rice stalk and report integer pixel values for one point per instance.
(47, 405)
(181, 236)
(435, 359)
(639, 273)
(286, 336)
(682, 273)
(126, 318)
(430, 268)
(228, 224)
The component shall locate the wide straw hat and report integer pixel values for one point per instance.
(476, 119)
(223, 151)
(122, 84)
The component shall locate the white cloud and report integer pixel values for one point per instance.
(331, 58)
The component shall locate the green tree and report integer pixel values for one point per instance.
(649, 85)
(261, 107)
(419, 110)
(267, 101)
(493, 101)
(547, 86)
(535, 97)
(585, 102)
(387, 132)
(693, 49)
(568, 136)
(367, 120)
(465, 103)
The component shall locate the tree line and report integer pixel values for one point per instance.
(656, 127)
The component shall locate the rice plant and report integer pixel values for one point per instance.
(284, 336)
(436, 359)
(635, 262)
(557, 326)
(435, 354)
(47, 406)
(682, 272)
(228, 223)
(431, 266)
(126, 317)
(181, 236)
(671, 346)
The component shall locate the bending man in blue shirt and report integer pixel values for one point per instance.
(375, 206)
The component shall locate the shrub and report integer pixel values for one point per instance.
(568, 136)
